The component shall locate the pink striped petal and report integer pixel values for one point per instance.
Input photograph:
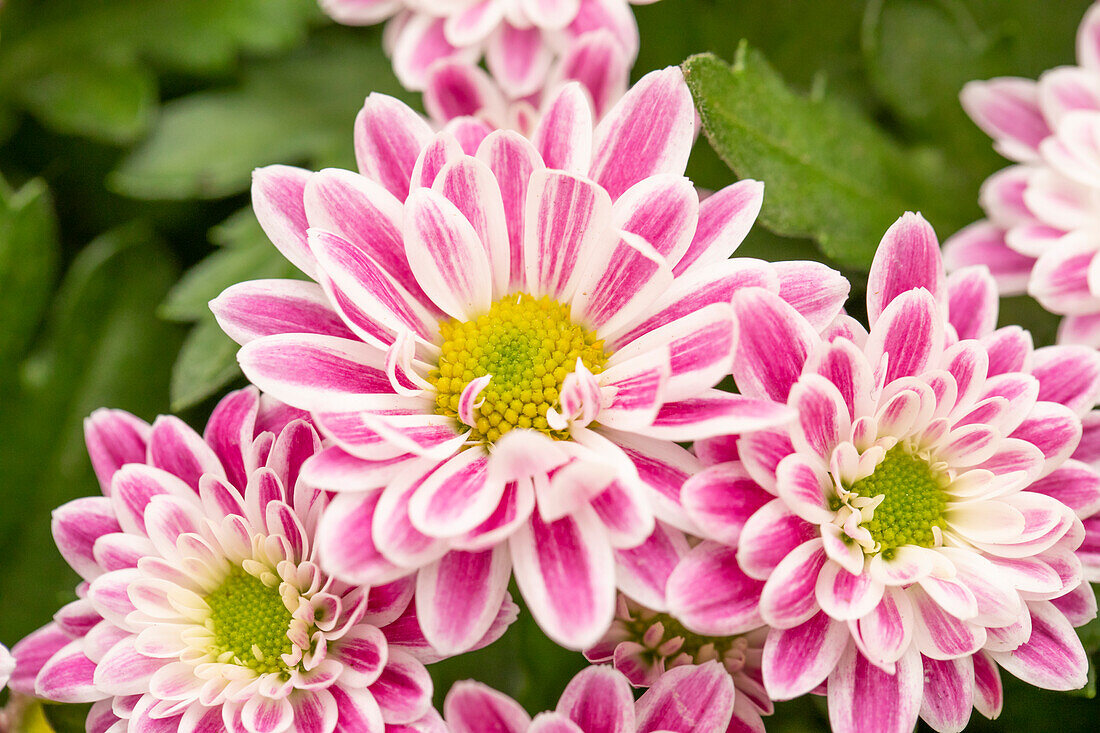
(982, 243)
(815, 290)
(456, 88)
(471, 707)
(663, 210)
(940, 635)
(231, 429)
(770, 535)
(565, 217)
(404, 689)
(67, 677)
(908, 257)
(597, 61)
(797, 660)
(715, 413)
(1068, 375)
(32, 652)
(388, 138)
(360, 210)
(564, 133)
(1060, 279)
(910, 331)
(277, 192)
(599, 698)
(419, 43)
(642, 572)
(518, 58)
(1075, 484)
(696, 698)
(456, 497)
(251, 310)
(458, 597)
(788, 597)
(472, 24)
(725, 218)
(513, 159)
(565, 571)
(469, 184)
(1008, 110)
(721, 499)
(1052, 658)
(948, 693)
(650, 131)
(356, 710)
(847, 596)
(134, 486)
(621, 282)
(76, 527)
(176, 448)
(972, 302)
(884, 634)
(710, 593)
(345, 543)
(114, 438)
(774, 342)
(896, 696)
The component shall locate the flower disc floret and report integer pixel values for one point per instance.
(528, 346)
(250, 622)
(912, 504)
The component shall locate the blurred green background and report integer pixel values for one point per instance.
(129, 130)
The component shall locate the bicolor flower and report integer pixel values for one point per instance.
(519, 39)
(644, 644)
(531, 325)
(920, 523)
(457, 88)
(1041, 234)
(203, 607)
(690, 699)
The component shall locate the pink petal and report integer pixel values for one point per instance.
(696, 698)
(1052, 658)
(388, 138)
(346, 547)
(982, 243)
(883, 635)
(114, 438)
(277, 192)
(1008, 110)
(622, 281)
(721, 499)
(456, 88)
(972, 302)
(908, 257)
(798, 659)
(788, 597)
(774, 342)
(471, 707)
(816, 291)
(1068, 375)
(715, 413)
(458, 597)
(469, 184)
(710, 593)
(599, 699)
(725, 218)
(420, 42)
(911, 331)
(565, 217)
(564, 133)
(770, 535)
(513, 159)
(948, 693)
(77, 525)
(896, 696)
(67, 677)
(649, 131)
(518, 58)
(456, 497)
(404, 690)
(598, 62)
(565, 571)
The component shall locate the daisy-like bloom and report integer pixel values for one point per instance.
(519, 39)
(920, 522)
(1042, 231)
(643, 644)
(691, 699)
(457, 88)
(530, 325)
(203, 607)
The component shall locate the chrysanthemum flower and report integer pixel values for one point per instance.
(532, 325)
(519, 39)
(1041, 234)
(203, 607)
(457, 88)
(921, 521)
(644, 644)
(692, 699)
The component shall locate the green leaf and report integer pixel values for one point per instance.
(103, 346)
(87, 67)
(28, 266)
(206, 363)
(299, 108)
(830, 173)
(62, 719)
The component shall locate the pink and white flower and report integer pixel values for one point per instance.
(691, 699)
(920, 523)
(644, 644)
(202, 606)
(1042, 231)
(519, 39)
(505, 324)
(456, 88)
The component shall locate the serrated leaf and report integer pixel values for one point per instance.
(28, 266)
(103, 346)
(295, 109)
(206, 363)
(830, 173)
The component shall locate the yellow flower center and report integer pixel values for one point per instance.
(914, 500)
(250, 622)
(529, 345)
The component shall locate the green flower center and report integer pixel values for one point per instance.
(251, 621)
(529, 345)
(914, 500)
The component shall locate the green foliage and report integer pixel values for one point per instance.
(89, 68)
(296, 109)
(102, 346)
(830, 173)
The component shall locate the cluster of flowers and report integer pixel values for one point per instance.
(518, 314)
